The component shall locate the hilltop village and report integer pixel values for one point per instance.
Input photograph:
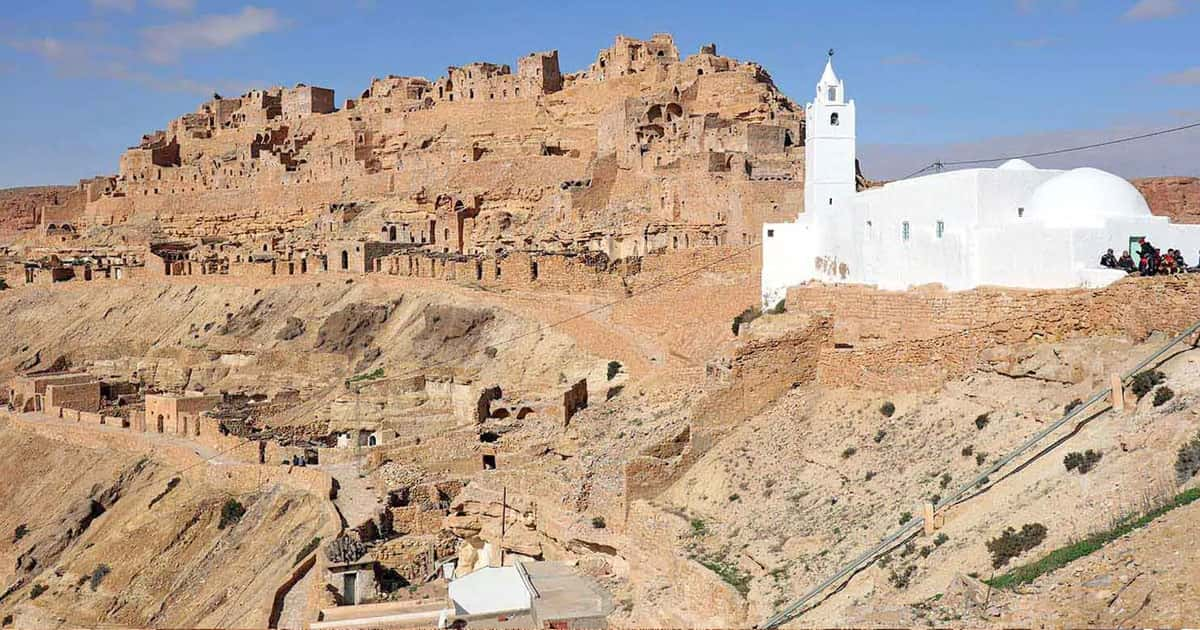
(528, 349)
(642, 151)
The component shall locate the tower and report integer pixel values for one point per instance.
(829, 151)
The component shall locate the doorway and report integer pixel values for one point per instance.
(1135, 247)
(349, 585)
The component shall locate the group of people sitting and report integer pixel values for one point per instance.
(1151, 262)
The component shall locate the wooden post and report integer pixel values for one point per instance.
(1118, 393)
(930, 524)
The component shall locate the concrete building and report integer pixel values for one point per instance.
(525, 595)
(1014, 225)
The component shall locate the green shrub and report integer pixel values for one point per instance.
(870, 475)
(728, 572)
(1187, 460)
(614, 367)
(980, 458)
(598, 522)
(20, 532)
(1069, 407)
(901, 578)
(887, 409)
(879, 435)
(3, 284)
(1063, 556)
(735, 497)
(850, 450)
(1011, 543)
(1145, 381)
(37, 591)
(98, 575)
(367, 376)
(940, 539)
(945, 482)
(1162, 395)
(231, 512)
(779, 308)
(981, 421)
(967, 451)
(699, 528)
(745, 317)
(905, 517)
(1083, 462)
(307, 549)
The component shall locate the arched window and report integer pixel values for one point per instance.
(832, 93)
(346, 259)
(904, 230)
(941, 228)
(833, 119)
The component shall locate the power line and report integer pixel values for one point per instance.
(939, 164)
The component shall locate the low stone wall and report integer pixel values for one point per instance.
(905, 355)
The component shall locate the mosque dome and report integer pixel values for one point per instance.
(1085, 198)
(1016, 164)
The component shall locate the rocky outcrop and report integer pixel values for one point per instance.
(1175, 197)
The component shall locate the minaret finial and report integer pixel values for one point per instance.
(831, 53)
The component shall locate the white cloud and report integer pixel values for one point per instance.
(1154, 9)
(1037, 42)
(174, 5)
(164, 44)
(1190, 76)
(74, 60)
(1170, 154)
(114, 5)
(908, 59)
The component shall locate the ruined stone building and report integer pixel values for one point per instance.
(643, 150)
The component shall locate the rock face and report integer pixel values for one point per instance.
(1175, 197)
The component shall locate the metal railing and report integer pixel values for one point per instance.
(806, 601)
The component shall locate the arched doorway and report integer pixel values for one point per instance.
(345, 259)
(160, 423)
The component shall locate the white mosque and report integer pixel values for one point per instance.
(1013, 226)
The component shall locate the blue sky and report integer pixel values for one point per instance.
(83, 79)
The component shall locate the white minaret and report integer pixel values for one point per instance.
(829, 174)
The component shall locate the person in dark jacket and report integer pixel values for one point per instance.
(1108, 260)
(1126, 262)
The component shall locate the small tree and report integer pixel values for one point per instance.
(98, 575)
(1162, 395)
(1187, 460)
(981, 421)
(231, 512)
(614, 367)
(1083, 462)
(598, 522)
(1145, 381)
(887, 409)
(1011, 543)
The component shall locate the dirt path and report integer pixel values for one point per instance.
(357, 499)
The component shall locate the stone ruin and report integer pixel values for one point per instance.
(643, 151)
